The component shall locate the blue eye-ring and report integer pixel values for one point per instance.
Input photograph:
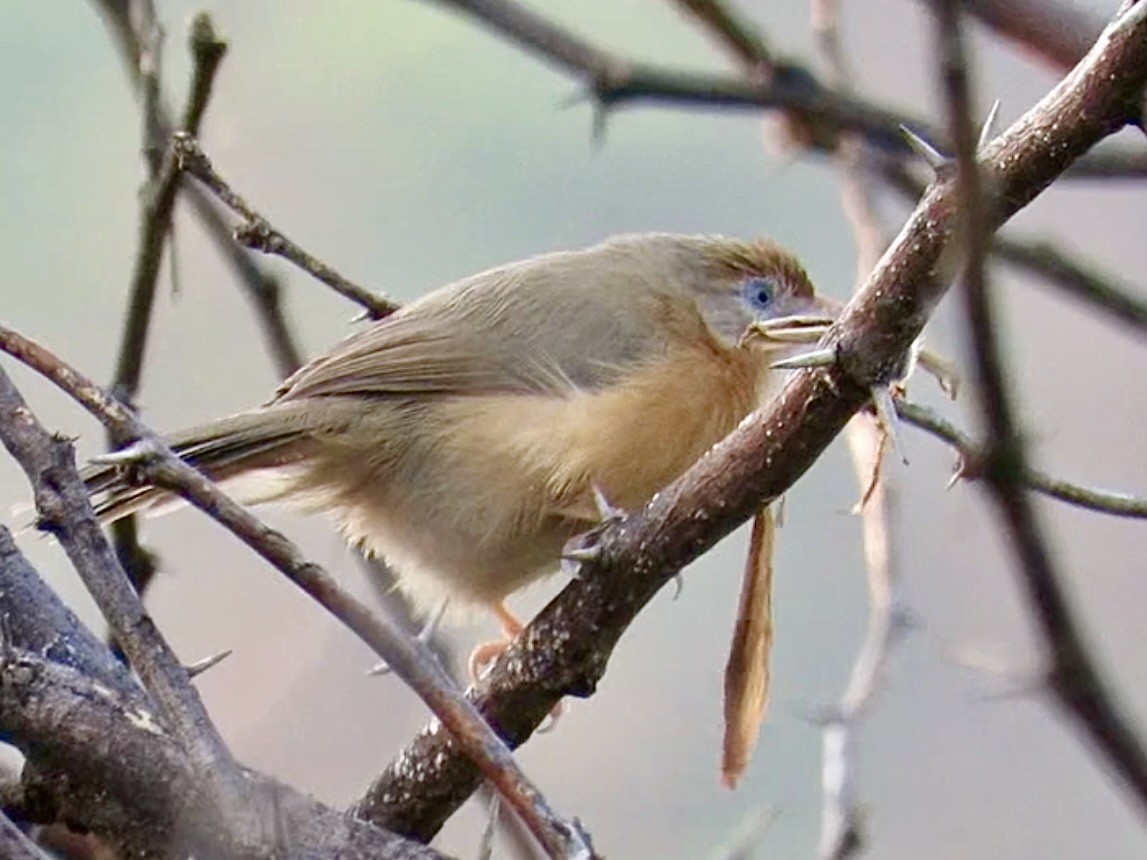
(759, 293)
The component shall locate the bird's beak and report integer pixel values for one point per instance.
(806, 327)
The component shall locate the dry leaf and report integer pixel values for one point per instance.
(747, 672)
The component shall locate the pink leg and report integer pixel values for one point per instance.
(486, 653)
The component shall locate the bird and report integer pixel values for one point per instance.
(470, 436)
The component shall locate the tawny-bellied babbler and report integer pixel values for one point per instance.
(469, 436)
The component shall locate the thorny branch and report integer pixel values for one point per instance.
(1081, 280)
(263, 289)
(257, 233)
(1073, 677)
(816, 112)
(158, 196)
(407, 657)
(64, 510)
(565, 649)
(972, 458)
(60, 687)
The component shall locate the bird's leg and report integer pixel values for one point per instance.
(487, 652)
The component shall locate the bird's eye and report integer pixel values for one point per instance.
(759, 293)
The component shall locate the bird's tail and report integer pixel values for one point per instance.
(262, 439)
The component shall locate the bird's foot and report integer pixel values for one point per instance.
(484, 655)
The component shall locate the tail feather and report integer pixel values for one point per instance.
(260, 439)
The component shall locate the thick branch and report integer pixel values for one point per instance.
(99, 759)
(104, 763)
(407, 657)
(565, 649)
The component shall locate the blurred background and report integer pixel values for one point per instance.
(408, 147)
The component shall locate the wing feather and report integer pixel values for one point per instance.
(538, 327)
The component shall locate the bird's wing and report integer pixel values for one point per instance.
(510, 330)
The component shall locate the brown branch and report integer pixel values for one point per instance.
(565, 649)
(407, 657)
(257, 233)
(136, 786)
(98, 760)
(159, 195)
(64, 510)
(1074, 678)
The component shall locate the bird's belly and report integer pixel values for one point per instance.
(482, 502)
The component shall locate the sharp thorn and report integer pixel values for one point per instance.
(581, 554)
(607, 512)
(932, 156)
(825, 357)
(988, 130)
(136, 452)
(198, 668)
(431, 626)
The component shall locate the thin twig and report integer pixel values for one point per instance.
(566, 648)
(407, 657)
(732, 31)
(257, 233)
(843, 831)
(612, 82)
(262, 288)
(159, 203)
(1073, 677)
(14, 845)
(155, 228)
(972, 458)
(1082, 280)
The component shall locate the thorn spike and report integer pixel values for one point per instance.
(825, 357)
(931, 156)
